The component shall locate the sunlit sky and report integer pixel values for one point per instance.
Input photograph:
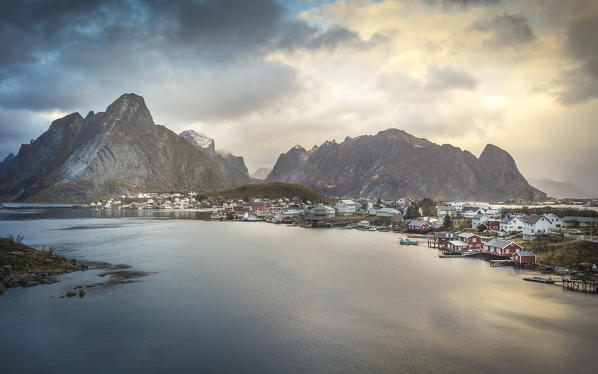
(261, 76)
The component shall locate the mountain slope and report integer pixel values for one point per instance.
(117, 151)
(261, 173)
(394, 164)
(233, 167)
(6, 161)
(561, 190)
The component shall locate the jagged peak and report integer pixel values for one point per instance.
(130, 106)
(298, 147)
(198, 139)
(492, 151)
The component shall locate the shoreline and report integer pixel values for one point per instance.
(24, 266)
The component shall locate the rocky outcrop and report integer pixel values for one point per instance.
(23, 266)
(232, 167)
(394, 164)
(117, 151)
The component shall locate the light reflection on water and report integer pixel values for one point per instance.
(245, 297)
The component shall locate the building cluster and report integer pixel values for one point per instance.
(470, 243)
(531, 227)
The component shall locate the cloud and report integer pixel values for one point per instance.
(580, 84)
(448, 78)
(75, 50)
(506, 30)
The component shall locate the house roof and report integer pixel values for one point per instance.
(446, 208)
(457, 243)
(533, 219)
(526, 254)
(499, 243)
(466, 235)
(478, 216)
(347, 202)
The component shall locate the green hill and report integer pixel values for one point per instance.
(273, 190)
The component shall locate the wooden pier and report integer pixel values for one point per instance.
(432, 240)
(580, 285)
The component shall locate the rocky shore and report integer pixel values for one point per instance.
(23, 266)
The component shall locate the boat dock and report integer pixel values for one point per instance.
(580, 285)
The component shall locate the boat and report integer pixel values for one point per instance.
(540, 280)
(373, 229)
(349, 226)
(408, 241)
(217, 215)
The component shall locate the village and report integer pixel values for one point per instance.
(502, 235)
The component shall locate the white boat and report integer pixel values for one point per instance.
(408, 241)
(372, 229)
(217, 215)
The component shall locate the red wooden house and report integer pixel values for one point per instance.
(493, 225)
(257, 206)
(445, 237)
(456, 246)
(472, 240)
(502, 247)
(524, 257)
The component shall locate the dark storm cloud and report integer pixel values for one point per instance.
(57, 54)
(507, 30)
(581, 84)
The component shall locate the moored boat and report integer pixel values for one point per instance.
(408, 241)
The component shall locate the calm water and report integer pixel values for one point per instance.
(256, 297)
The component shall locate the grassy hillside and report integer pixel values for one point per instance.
(553, 250)
(273, 190)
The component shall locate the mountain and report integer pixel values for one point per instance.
(561, 190)
(233, 167)
(117, 151)
(6, 161)
(261, 173)
(393, 164)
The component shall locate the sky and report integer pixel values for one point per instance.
(261, 76)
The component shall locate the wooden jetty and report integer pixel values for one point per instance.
(580, 285)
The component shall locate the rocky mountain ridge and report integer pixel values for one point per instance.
(232, 167)
(393, 164)
(117, 151)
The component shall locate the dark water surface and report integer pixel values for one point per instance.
(256, 297)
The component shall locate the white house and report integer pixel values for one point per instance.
(402, 203)
(536, 226)
(443, 210)
(509, 225)
(477, 220)
(345, 207)
(322, 210)
(555, 221)
(383, 212)
(492, 213)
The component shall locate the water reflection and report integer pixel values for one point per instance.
(256, 297)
